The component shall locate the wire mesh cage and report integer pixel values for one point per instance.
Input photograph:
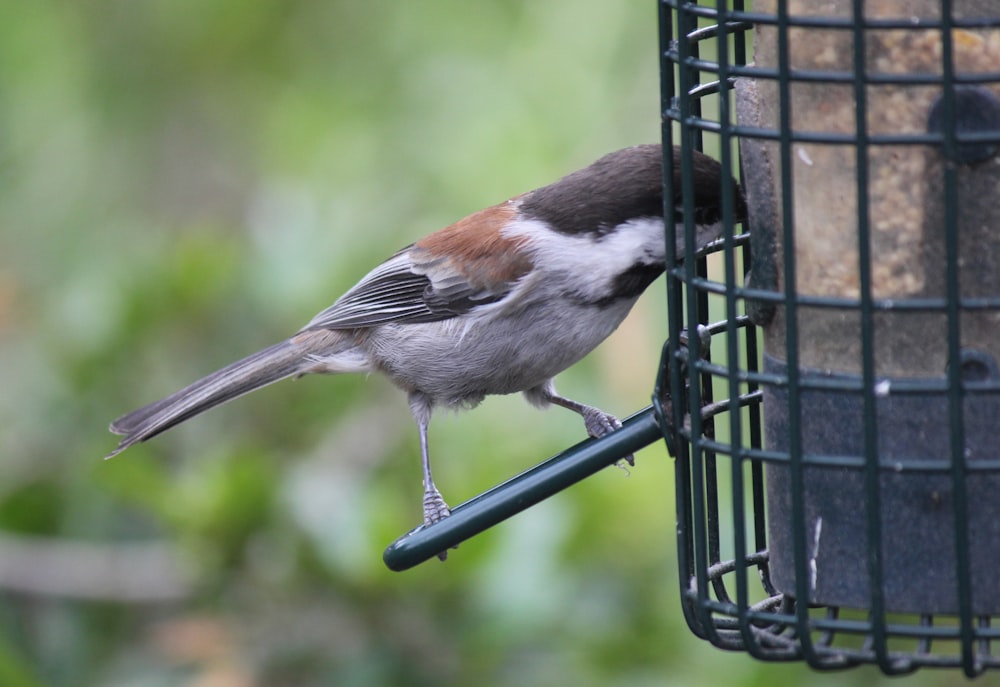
(835, 421)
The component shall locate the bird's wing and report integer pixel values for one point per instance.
(404, 290)
(412, 286)
(392, 292)
(461, 267)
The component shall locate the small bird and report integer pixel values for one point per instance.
(498, 302)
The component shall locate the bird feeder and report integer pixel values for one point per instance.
(863, 524)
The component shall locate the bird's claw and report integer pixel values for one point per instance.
(435, 510)
(599, 424)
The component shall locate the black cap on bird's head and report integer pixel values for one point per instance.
(623, 185)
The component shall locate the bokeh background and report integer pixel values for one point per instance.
(183, 182)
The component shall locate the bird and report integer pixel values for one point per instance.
(499, 302)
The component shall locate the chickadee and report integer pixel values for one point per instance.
(499, 302)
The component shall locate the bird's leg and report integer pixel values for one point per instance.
(435, 508)
(597, 422)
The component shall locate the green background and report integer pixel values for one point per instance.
(183, 182)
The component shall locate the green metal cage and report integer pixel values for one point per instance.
(834, 420)
(861, 525)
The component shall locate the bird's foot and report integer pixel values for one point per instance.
(435, 510)
(599, 424)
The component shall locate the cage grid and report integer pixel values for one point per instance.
(760, 586)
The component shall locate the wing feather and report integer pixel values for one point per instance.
(407, 289)
(466, 265)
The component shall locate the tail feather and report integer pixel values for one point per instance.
(265, 367)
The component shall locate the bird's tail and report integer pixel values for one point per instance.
(286, 359)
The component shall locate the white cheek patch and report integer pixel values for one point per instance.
(592, 261)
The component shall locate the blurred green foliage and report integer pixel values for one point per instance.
(183, 182)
